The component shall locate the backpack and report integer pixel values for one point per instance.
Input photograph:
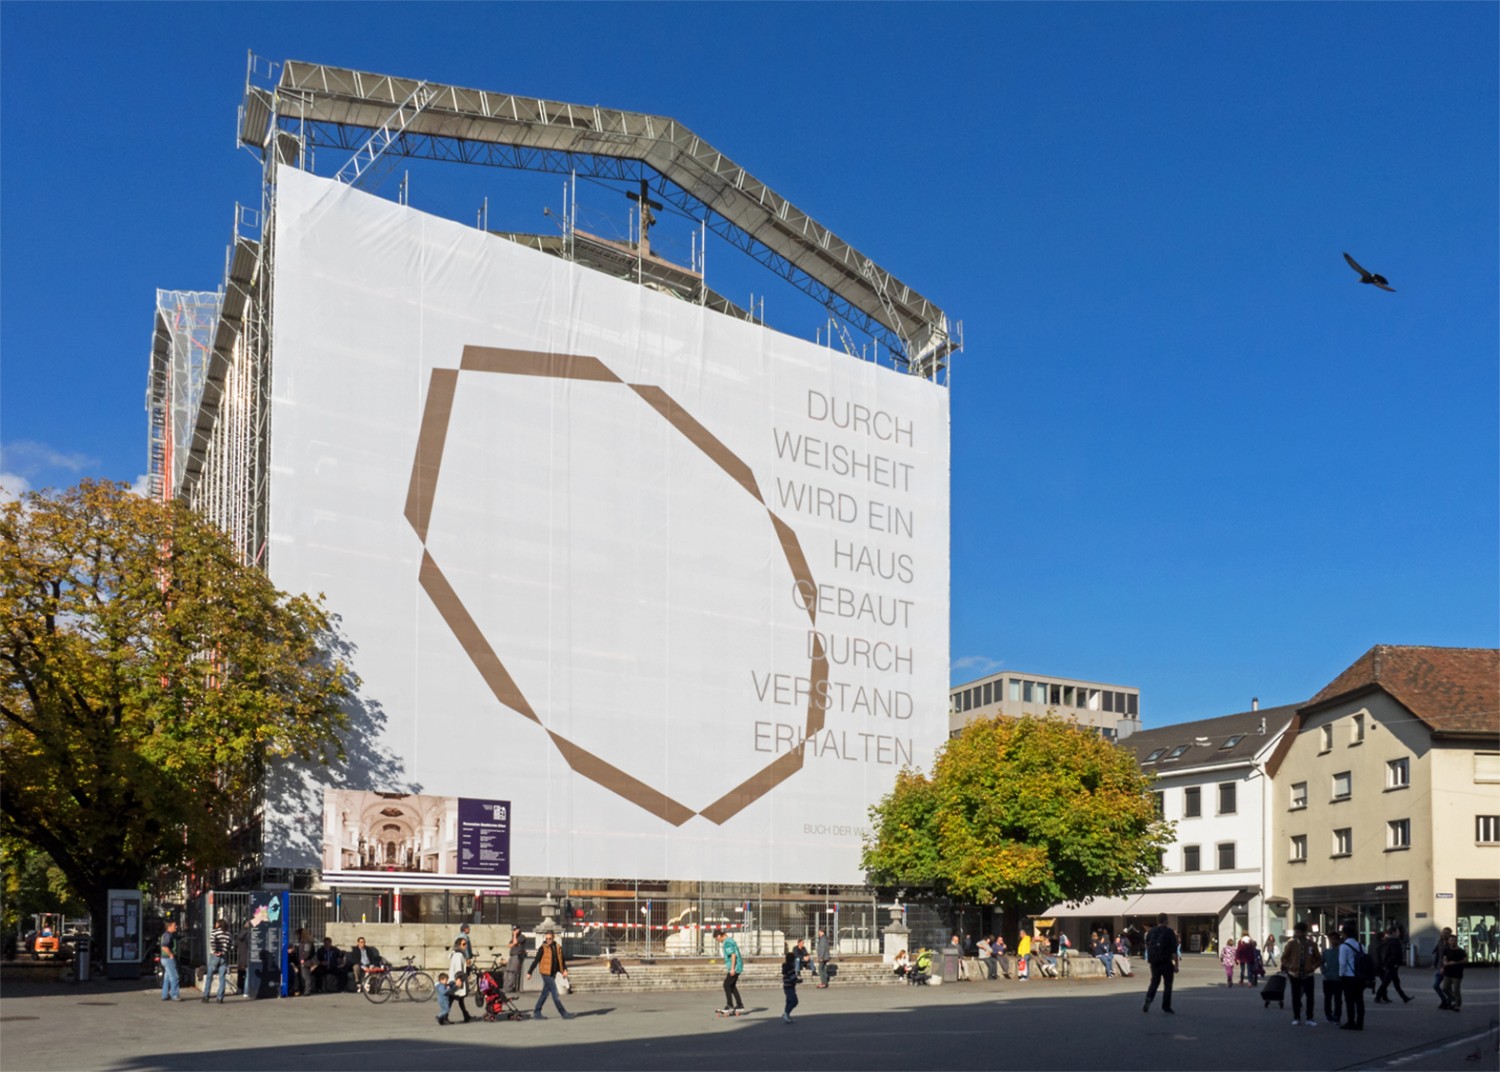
(1159, 945)
(1364, 968)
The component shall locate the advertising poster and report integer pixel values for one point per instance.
(414, 840)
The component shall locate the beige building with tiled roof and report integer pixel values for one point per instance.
(1386, 798)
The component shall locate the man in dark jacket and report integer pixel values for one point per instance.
(550, 962)
(823, 958)
(1389, 957)
(1161, 955)
(363, 958)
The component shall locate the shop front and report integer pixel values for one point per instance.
(1477, 923)
(1371, 907)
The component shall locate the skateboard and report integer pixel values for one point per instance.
(721, 1013)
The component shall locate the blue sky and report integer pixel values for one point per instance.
(1190, 452)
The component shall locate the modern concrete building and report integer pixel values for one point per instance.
(1113, 709)
(1212, 783)
(1386, 807)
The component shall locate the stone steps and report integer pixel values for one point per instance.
(596, 979)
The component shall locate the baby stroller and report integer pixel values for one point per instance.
(497, 1004)
(921, 969)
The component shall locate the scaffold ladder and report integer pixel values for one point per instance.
(394, 126)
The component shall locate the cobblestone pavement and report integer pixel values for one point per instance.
(1070, 1024)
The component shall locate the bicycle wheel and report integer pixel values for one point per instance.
(420, 987)
(377, 987)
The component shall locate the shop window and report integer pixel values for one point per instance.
(1398, 834)
(1192, 803)
(1299, 795)
(1227, 802)
(1299, 848)
(1226, 856)
(1190, 861)
(1487, 829)
(1398, 774)
(1343, 785)
(1343, 841)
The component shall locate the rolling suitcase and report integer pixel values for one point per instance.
(1274, 990)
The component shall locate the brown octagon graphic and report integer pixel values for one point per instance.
(419, 498)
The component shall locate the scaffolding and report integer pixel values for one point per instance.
(213, 450)
(181, 344)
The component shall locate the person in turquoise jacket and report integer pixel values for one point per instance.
(734, 965)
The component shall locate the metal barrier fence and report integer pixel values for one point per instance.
(596, 917)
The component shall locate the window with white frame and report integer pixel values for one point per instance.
(1227, 802)
(1343, 785)
(1190, 858)
(1357, 729)
(1398, 773)
(1299, 795)
(1343, 841)
(1299, 847)
(1487, 829)
(1192, 802)
(1325, 743)
(1398, 834)
(1226, 856)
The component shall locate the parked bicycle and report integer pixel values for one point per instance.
(381, 983)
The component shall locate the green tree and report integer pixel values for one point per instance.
(1026, 812)
(146, 676)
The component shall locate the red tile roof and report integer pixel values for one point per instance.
(1453, 690)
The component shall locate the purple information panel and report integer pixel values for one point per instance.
(484, 837)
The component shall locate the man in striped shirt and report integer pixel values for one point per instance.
(219, 942)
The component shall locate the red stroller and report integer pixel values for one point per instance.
(498, 1004)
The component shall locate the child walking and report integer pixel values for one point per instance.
(789, 984)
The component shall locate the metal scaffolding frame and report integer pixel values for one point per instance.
(216, 454)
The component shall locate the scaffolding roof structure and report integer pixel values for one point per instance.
(181, 349)
(314, 105)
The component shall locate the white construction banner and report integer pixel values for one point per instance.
(671, 584)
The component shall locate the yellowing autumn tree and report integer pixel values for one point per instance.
(146, 676)
(1024, 812)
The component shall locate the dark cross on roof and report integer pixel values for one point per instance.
(647, 216)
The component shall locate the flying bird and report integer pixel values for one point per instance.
(1369, 277)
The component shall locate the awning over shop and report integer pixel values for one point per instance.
(1188, 903)
(1099, 907)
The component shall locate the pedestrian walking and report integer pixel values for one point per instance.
(515, 962)
(824, 954)
(1162, 957)
(1354, 983)
(1437, 966)
(445, 988)
(1301, 960)
(219, 941)
(1333, 986)
(734, 966)
(789, 981)
(1454, 958)
(1227, 958)
(549, 960)
(1389, 959)
(171, 989)
(458, 968)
